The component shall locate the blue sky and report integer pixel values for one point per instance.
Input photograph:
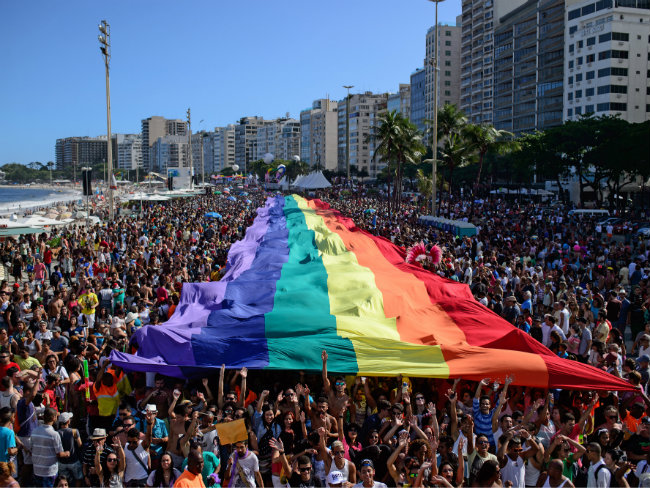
(223, 59)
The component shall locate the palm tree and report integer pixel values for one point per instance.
(399, 144)
(485, 138)
(455, 153)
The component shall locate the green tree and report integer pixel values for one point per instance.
(485, 138)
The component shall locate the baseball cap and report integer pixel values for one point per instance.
(65, 417)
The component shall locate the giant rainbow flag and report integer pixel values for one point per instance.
(305, 278)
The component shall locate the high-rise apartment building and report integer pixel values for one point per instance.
(129, 151)
(79, 151)
(606, 59)
(318, 134)
(169, 153)
(364, 111)
(448, 66)
(246, 140)
(478, 20)
(154, 128)
(418, 99)
(528, 67)
(280, 137)
(400, 102)
(224, 147)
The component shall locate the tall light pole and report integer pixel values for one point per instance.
(347, 133)
(189, 152)
(105, 48)
(434, 148)
(202, 166)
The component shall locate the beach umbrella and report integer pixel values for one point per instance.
(65, 215)
(213, 215)
(248, 201)
(40, 212)
(232, 199)
(80, 215)
(369, 211)
(51, 215)
(217, 192)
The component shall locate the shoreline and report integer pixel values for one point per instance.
(62, 195)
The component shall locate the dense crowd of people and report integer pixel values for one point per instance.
(70, 418)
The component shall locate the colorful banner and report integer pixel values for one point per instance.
(305, 278)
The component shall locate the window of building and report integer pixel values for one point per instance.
(579, 61)
(447, 43)
(603, 89)
(605, 37)
(573, 29)
(589, 109)
(447, 83)
(447, 53)
(591, 41)
(578, 94)
(580, 44)
(620, 36)
(447, 93)
(448, 33)
(618, 106)
(447, 63)
(571, 48)
(578, 110)
(569, 113)
(447, 73)
(570, 96)
(589, 9)
(589, 92)
(574, 14)
(578, 77)
(590, 58)
(570, 80)
(570, 63)
(604, 55)
(602, 107)
(590, 75)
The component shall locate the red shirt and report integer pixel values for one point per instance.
(3, 371)
(47, 257)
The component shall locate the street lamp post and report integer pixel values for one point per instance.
(189, 152)
(347, 133)
(105, 47)
(202, 164)
(434, 148)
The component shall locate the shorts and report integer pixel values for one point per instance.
(44, 481)
(27, 455)
(71, 471)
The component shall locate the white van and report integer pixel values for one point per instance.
(589, 212)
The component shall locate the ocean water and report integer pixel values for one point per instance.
(16, 199)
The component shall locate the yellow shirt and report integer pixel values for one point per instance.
(87, 301)
(26, 364)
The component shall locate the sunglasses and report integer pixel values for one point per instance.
(305, 470)
(126, 426)
(338, 453)
(419, 398)
(111, 460)
(339, 383)
(482, 442)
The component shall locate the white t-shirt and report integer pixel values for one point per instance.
(134, 470)
(249, 465)
(376, 484)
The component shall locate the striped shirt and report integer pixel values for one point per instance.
(46, 444)
(483, 422)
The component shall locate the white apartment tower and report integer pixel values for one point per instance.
(318, 126)
(129, 151)
(224, 147)
(448, 66)
(364, 111)
(606, 59)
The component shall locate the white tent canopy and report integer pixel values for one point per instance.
(312, 181)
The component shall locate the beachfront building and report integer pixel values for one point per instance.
(318, 134)
(418, 99)
(75, 152)
(364, 111)
(280, 137)
(246, 140)
(448, 66)
(224, 148)
(400, 102)
(169, 153)
(154, 128)
(606, 56)
(129, 151)
(528, 67)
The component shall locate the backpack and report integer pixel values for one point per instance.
(55, 277)
(612, 481)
